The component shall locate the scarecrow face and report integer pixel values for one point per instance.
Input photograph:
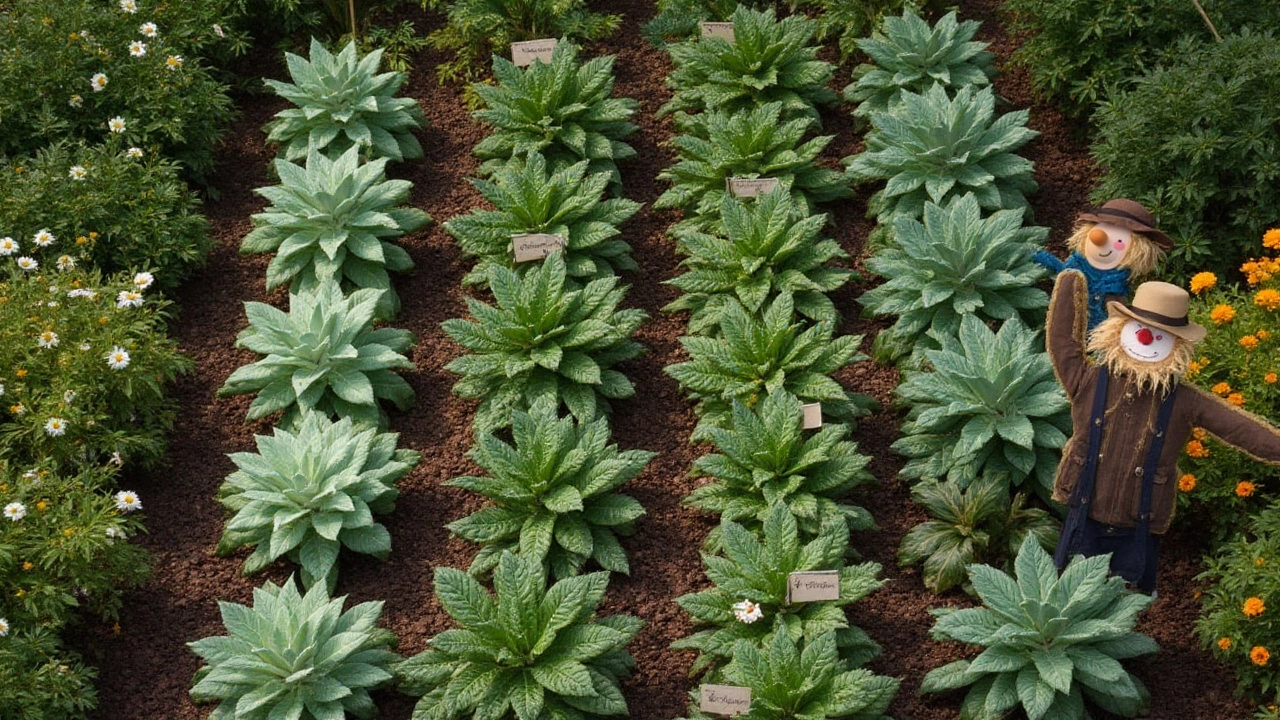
(1145, 343)
(1107, 246)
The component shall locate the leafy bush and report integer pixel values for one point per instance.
(84, 365)
(306, 494)
(751, 586)
(908, 54)
(563, 109)
(544, 339)
(970, 525)
(678, 19)
(534, 648)
(44, 680)
(766, 247)
(324, 354)
(342, 103)
(1051, 643)
(126, 213)
(530, 197)
(955, 264)
(331, 220)
(765, 461)
(478, 28)
(990, 405)
(1211, 172)
(850, 21)
(294, 655)
(935, 147)
(769, 61)
(553, 493)
(759, 354)
(754, 143)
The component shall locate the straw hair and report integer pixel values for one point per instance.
(1143, 256)
(1158, 376)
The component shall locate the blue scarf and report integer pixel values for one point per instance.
(1100, 283)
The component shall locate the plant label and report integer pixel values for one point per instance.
(722, 30)
(812, 414)
(813, 585)
(724, 699)
(750, 187)
(535, 246)
(524, 53)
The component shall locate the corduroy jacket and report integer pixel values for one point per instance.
(1129, 422)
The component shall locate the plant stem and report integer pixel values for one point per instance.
(1204, 16)
(351, 7)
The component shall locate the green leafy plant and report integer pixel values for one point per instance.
(544, 339)
(535, 649)
(908, 54)
(478, 28)
(306, 494)
(804, 678)
(767, 247)
(954, 264)
(934, 147)
(1050, 642)
(563, 109)
(769, 60)
(528, 196)
(553, 492)
(850, 21)
(749, 144)
(759, 354)
(324, 354)
(293, 655)
(970, 525)
(765, 461)
(342, 103)
(990, 404)
(749, 598)
(34, 692)
(331, 220)
(677, 20)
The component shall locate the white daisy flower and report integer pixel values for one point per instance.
(143, 280)
(128, 501)
(114, 533)
(84, 346)
(78, 172)
(137, 48)
(98, 81)
(747, 612)
(173, 62)
(75, 101)
(4, 627)
(48, 339)
(44, 238)
(134, 152)
(68, 396)
(66, 262)
(129, 6)
(8, 246)
(52, 303)
(28, 264)
(149, 29)
(128, 298)
(15, 511)
(116, 459)
(116, 124)
(118, 358)
(55, 427)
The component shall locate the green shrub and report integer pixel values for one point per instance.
(751, 586)
(954, 264)
(1212, 172)
(528, 196)
(1050, 642)
(43, 680)
(544, 339)
(553, 493)
(342, 103)
(766, 247)
(294, 655)
(536, 649)
(324, 354)
(126, 214)
(84, 365)
(678, 20)
(849, 21)
(563, 109)
(306, 494)
(331, 220)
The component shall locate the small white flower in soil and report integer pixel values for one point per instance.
(128, 501)
(55, 427)
(44, 238)
(129, 6)
(128, 298)
(98, 81)
(137, 48)
(134, 152)
(15, 511)
(143, 280)
(149, 29)
(8, 246)
(173, 62)
(116, 124)
(27, 264)
(48, 339)
(66, 262)
(747, 612)
(118, 358)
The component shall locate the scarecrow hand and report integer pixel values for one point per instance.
(1049, 260)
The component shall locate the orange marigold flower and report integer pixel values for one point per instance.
(1249, 342)
(1224, 644)
(1260, 561)
(28, 565)
(1199, 433)
(1244, 488)
(42, 506)
(1267, 298)
(1269, 378)
(1193, 368)
(1262, 334)
(21, 372)
(1259, 655)
(1196, 449)
(1222, 314)
(1271, 239)
(1187, 482)
(1202, 281)
(1253, 607)
(1219, 389)
(1236, 399)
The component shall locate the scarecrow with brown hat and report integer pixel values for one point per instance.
(1131, 418)
(1110, 245)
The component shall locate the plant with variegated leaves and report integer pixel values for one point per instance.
(333, 218)
(529, 649)
(307, 494)
(324, 354)
(553, 492)
(544, 339)
(1051, 642)
(955, 263)
(749, 598)
(343, 102)
(766, 247)
(528, 196)
(563, 109)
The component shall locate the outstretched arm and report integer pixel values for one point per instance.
(1064, 331)
(1049, 260)
(1239, 429)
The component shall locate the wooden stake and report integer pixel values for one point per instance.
(1204, 16)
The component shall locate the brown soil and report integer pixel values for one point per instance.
(146, 670)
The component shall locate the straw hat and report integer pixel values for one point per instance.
(1130, 215)
(1161, 305)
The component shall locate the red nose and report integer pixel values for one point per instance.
(1145, 337)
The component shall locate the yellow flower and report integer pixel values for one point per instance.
(1259, 655)
(69, 532)
(42, 506)
(1236, 399)
(1260, 562)
(1267, 298)
(1222, 314)
(1187, 482)
(1249, 342)
(1244, 488)
(1219, 389)
(28, 565)
(1197, 450)
(1262, 334)
(1253, 607)
(21, 593)
(1193, 368)
(1202, 281)
(1269, 378)
(1199, 433)
(1224, 643)
(1271, 239)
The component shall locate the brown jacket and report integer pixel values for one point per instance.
(1129, 422)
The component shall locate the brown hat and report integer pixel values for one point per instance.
(1131, 215)
(1161, 305)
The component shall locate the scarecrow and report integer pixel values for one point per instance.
(1131, 418)
(1109, 245)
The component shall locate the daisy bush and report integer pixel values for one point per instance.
(84, 362)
